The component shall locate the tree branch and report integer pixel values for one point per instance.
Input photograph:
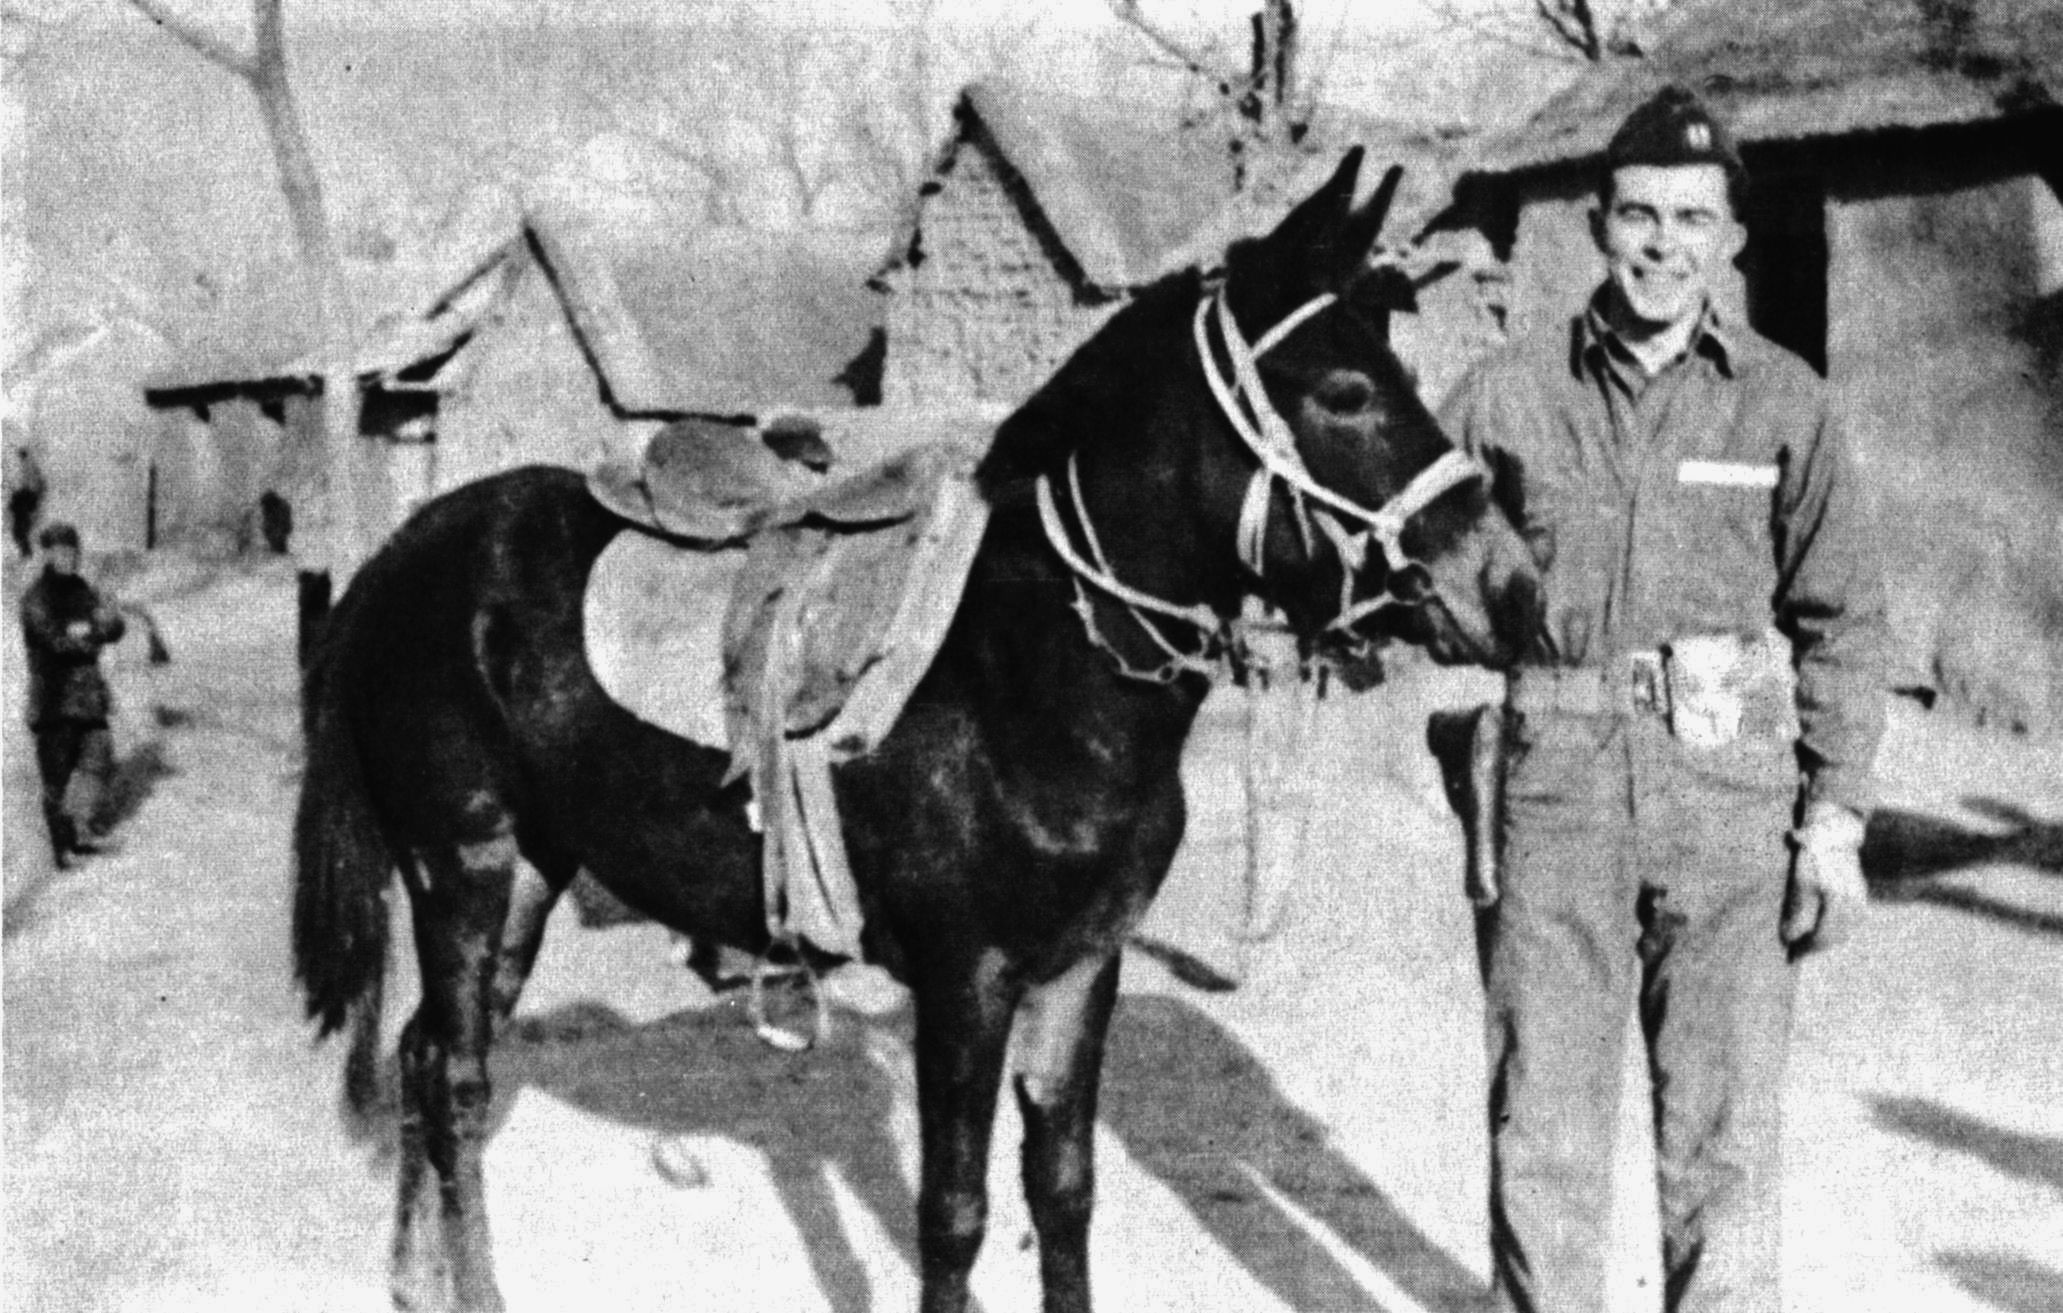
(212, 48)
(1540, 46)
(269, 38)
(1129, 13)
(1574, 22)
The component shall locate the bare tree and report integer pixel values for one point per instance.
(782, 123)
(1588, 30)
(1206, 58)
(263, 69)
(1264, 103)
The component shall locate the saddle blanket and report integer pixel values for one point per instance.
(809, 626)
(652, 621)
(791, 652)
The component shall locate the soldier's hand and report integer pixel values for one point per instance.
(1827, 897)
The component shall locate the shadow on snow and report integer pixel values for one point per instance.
(2000, 1278)
(1907, 854)
(1191, 1105)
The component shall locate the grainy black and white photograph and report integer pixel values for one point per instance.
(965, 656)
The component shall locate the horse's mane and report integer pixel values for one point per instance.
(1099, 388)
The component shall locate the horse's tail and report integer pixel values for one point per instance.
(343, 868)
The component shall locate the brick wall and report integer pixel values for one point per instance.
(985, 315)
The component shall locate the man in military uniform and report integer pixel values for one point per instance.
(1688, 769)
(65, 623)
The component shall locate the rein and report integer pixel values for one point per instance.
(1209, 622)
(1244, 401)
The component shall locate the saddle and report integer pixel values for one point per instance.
(715, 484)
(835, 589)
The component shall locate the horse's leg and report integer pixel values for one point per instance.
(1061, 1027)
(418, 1276)
(963, 1027)
(461, 902)
(421, 1273)
(538, 884)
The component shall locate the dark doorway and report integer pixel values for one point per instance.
(1785, 264)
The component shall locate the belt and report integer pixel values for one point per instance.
(1633, 685)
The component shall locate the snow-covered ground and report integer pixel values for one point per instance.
(1311, 1140)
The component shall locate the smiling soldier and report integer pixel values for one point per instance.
(1689, 769)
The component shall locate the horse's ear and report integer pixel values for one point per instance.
(1365, 225)
(1311, 231)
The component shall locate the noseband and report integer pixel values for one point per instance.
(1244, 401)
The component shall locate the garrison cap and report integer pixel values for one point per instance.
(1674, 127)
(57, 533)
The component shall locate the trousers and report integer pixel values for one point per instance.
(62, 748)
(1638, 873)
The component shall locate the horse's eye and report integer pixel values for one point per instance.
(1345, 393)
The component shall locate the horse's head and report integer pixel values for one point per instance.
(1359, 517)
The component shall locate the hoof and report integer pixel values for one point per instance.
(418, 1277)
(783, 1039)
(772, 1008)
(420, 1297)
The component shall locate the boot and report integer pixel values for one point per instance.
(64, 836)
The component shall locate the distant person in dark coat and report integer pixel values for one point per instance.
(25, 489)
(275, 522)
(65, 623)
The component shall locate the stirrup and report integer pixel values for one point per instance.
(777, 1036)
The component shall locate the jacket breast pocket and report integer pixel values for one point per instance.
(1722, 555)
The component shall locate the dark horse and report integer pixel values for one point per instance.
(1009, 833)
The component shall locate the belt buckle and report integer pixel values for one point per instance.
(1645, 682)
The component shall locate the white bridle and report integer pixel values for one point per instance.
(1244, 401)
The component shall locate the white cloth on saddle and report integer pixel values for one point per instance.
(652, 621)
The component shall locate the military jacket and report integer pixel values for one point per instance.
(65, 682)
(1718, 496)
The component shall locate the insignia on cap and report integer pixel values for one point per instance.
(1698, 136)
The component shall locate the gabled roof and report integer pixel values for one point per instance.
(1121, 184)
(123, 341)
(677, 318)
(1426, 189)
(1785, 69)
(267, 335)
(1132, 194)
(715, 320)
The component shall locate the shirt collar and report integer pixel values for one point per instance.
(1593, 344)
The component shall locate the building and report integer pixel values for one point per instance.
(550, 333)
(1044, 213)
(72, 399)
(1906, 239)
